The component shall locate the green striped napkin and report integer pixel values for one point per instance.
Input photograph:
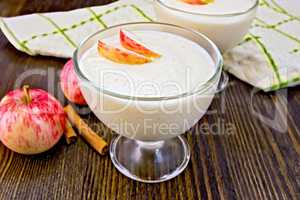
(59, 33)
(268, 58)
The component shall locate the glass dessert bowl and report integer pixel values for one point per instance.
(225, 22)
(126, 93)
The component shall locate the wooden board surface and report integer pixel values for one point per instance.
(255, 155)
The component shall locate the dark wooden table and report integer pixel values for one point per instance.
(244, 148)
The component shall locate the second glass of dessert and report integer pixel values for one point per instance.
(225, 22)
(149, 83)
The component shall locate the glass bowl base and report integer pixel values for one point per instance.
(150, 162)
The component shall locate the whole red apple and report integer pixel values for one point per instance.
(31, 121)
(69, 84)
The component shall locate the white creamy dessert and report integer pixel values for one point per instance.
(138, 101)
(224, 21)
(183, 66)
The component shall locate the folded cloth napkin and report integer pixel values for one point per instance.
(268, 58)
(59, 33)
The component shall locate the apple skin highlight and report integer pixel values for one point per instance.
(135, 46)
(31, 127)
(198, 2)
(119, 56)
(69, 84)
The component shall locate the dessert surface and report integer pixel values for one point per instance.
(183, 65)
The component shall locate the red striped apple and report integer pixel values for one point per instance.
(120, 56)
(69, 84)
(128, 41)
(31, 121)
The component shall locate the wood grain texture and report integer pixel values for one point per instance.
(245, 159)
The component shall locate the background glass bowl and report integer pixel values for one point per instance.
(146, 142)
(225, 30)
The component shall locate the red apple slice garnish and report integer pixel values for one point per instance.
(119, 56)
(198, 2)
(129, 42)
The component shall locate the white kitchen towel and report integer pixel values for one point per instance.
(268, 58)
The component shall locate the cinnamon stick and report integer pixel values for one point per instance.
(97, 142)
(69, 133)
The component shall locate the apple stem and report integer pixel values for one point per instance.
(27, 97)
